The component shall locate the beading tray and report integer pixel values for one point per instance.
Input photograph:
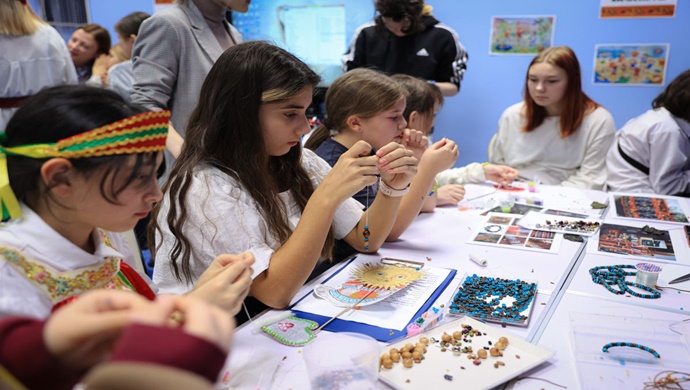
(453, 370)
(494, 299)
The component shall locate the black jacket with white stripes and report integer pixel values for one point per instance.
(432, 54)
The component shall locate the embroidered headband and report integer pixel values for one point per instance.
(141, 133)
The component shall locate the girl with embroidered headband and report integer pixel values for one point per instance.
(77, 166)
(243, 182)
(366, 105)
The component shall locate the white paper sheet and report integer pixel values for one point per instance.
(394, 312)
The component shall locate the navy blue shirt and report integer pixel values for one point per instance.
(331, 151)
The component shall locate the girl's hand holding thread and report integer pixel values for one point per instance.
(439, 156)
(354, 170)
(83, 332)
(397, 165)
(226, 282)
(415, 141)
(501, 174)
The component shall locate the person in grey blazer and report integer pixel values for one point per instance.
(173, 53)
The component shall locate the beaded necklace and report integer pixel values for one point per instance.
(615, 275)
(366, 232)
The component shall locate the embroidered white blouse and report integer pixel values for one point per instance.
(35, 239)
(222, 218)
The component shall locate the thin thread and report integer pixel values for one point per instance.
(541, 379)
(667, 381)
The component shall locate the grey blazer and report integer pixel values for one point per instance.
(172, 55)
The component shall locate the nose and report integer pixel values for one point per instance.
(540, 86)
(155, 194)
(403, 122)
(304, 127)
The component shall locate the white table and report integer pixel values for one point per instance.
(258, 361)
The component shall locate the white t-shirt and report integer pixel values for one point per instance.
(35, 239)
(222, 218)
(30, 63)
(578, 160)
(660, 142)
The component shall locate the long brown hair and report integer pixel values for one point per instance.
(576, 104)
(362, 92)
(421, 96)
(223, 131)
(100, 35)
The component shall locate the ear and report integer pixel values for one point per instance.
(354, 123)
(414, 118)
(56, 176)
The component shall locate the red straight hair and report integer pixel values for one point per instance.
(576, 104)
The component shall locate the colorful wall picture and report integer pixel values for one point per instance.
(616, 9)
(627, 241)
(657, 208)
(630, 64)
(521, 35)
(503, 230)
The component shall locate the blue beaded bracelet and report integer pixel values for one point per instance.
(606, 347)
(615, 275)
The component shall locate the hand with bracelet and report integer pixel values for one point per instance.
(397, 166)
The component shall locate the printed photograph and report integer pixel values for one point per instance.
(500, 220)
(635, 241)
(515, 230)
(513, 240)
(539, 243)
(641, 207)
(543, 234)
(490, 238)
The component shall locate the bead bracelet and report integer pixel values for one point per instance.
(606, 347)
(615, 275)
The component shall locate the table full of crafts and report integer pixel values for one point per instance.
(525, 287)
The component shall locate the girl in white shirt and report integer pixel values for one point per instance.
(243, 183)
(557, 135)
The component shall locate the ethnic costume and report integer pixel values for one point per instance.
(39, 268)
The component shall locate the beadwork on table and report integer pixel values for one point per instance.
(560, 223)
(461, 354)
(495, 299)
(376, 281)
(292, 331)
(612, 277)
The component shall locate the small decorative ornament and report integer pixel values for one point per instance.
(292, 331)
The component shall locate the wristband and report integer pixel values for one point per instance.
(434, 188)
(484, 164)
(392, 192)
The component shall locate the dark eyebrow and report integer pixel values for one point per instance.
(292, 107)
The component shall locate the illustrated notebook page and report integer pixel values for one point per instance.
(395, 312)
